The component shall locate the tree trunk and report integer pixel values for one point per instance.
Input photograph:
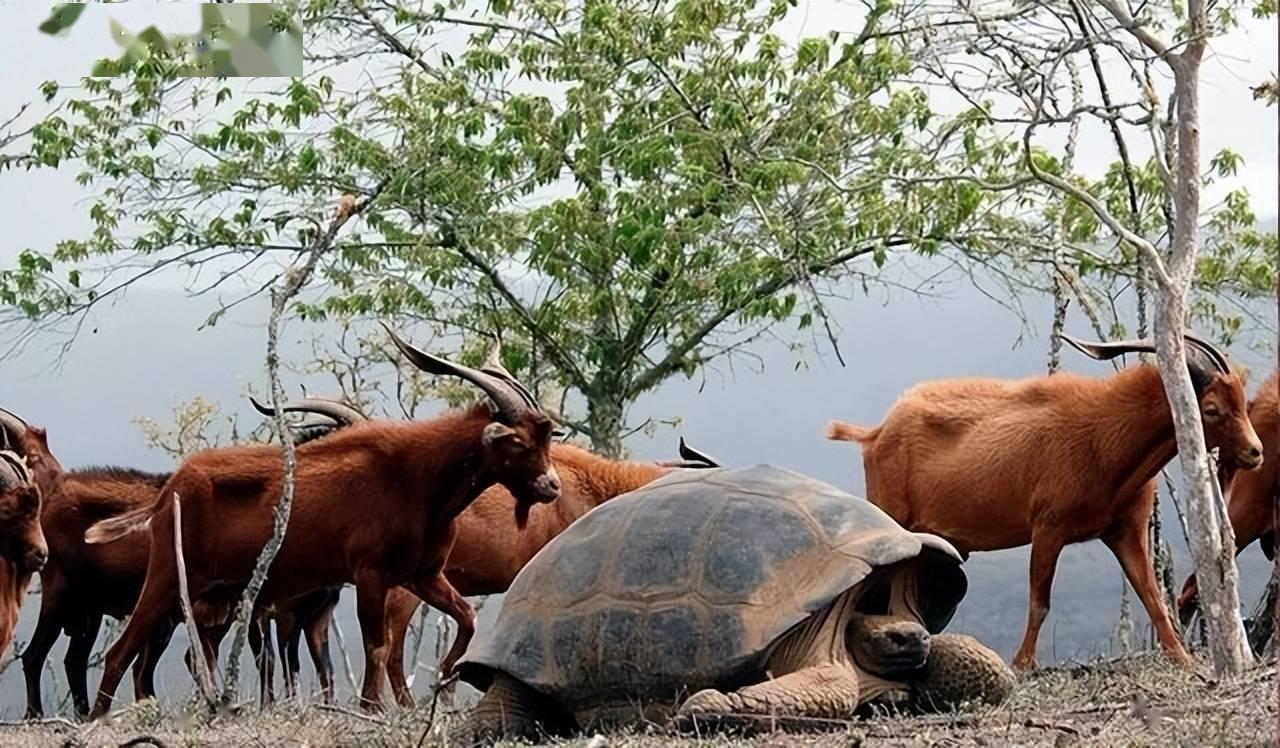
(604, 416)
(1262, 625)
(1212, 541)
(1212, 544)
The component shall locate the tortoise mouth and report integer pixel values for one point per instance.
(894, 648)
(897, 663)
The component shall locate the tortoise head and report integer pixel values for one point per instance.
(884, 637)
(888, 646)
(900, 605)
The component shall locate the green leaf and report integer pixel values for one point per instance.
(62, 18)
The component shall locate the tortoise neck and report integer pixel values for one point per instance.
(818, 640)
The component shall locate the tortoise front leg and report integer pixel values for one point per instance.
(509, 710)
(960, 669)
(818, 692)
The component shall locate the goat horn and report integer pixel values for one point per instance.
(493, 358)
(337, 410)
(19, 465)
(510, 401)
(493, 367)
(693, 455)
(12, 426)
(1215, 355)
(1108, 351)
(504, 376)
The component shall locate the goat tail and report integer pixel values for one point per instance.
(117, 527)
(839, 431)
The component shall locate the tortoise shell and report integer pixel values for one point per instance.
(686, 582)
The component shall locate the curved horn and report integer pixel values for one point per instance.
(693, 455)
(19, 465)
(510, 401)
(493, 358)
(493, 367)
(1215, 355)
(503, 376)
(1108, 351)
(12, 426)
(337, 410)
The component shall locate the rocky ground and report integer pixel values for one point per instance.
(1138, 701)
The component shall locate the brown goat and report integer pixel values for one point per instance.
(476, 566)
(1250, 494)
(1050, 460)
(375, 504)
(28, 472)
(81, 583)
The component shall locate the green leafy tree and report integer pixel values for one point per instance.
(623, 192)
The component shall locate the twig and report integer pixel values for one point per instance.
(144, 740)
(204, 677)
(46, 721)
(347, 670)
(435, 698)
(350, 713)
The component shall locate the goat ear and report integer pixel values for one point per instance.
(496, 432)
(1108, 351)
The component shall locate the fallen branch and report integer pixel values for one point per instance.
(43, 722)
(349, 713)
(144, 740)
(204, 676)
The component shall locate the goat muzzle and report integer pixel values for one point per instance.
(1250, 457)
(35, 558)
(546, 488)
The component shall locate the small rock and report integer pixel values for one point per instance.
(598, 741)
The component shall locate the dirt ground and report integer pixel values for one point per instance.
(1138, 701)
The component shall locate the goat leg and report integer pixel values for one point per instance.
(76, 661)
(1046, 546)
(48, 626)
(371, 600)
(144, 668)
(1129, 544)
(401, 605)
(439, 594)
(317, 632)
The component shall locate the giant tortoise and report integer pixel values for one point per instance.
(758, 590)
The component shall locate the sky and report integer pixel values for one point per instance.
(143, 354)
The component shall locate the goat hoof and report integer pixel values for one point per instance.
(1025, 664)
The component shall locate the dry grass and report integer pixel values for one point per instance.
(1139, 701)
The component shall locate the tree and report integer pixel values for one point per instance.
(1033, 56)
(624, 193)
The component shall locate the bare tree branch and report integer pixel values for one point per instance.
(295, 279)
(203, 673)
